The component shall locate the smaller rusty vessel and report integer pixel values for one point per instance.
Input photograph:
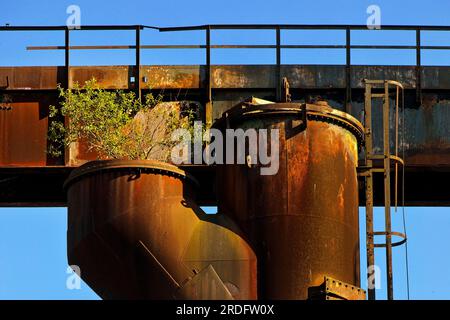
(136, 232)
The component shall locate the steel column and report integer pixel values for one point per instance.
(387, 192)
(67, 56)
(208, 104)
(278, 62)
(418, 68)
(369, 190)
(138, 62)
(348, 88)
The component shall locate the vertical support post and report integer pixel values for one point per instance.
(137, 80)
(67, 56)
(278, 62)
(387, 192)
(208, 104)
(396, 119)
(66, 150)
(369, 188)
(418, 68)
(348, 89)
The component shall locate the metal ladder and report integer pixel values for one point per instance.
(370, 168)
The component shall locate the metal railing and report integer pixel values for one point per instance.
(278, 46)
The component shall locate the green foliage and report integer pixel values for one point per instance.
(116, 124)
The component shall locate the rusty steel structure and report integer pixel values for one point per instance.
(106, 228)
(136, 232)
(302, 221)
(332, 289)
(26, 92)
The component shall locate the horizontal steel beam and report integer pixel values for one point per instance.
(236, 46)
(301, 26)
(84, 27)
(222, 76)
(230, 27)
(43, 186)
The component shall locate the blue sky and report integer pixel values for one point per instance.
(175, 13)
(33, 258)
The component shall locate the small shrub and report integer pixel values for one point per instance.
(116, 124)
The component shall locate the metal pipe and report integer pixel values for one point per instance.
(387, 193)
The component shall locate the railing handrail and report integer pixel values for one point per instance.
(231, 27)
(277, 46)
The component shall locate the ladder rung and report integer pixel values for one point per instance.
(377, 95)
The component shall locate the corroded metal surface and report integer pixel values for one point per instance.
(303, 76)
(226, 76)
(426, 141)
(222, 77)
(30, 78)
(332, 289)
(404, 74)
(173, 77)
(435, 77)
(23, 129)
(136, 232)
(303, 221)
(108, 77)
(427, 134)
(15, 127)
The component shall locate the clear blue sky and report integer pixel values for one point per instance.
(33, 258)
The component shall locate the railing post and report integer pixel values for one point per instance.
(66, 84)
(418, 69)
(278, 66)
(208, 104)
(138, 62)
(348, 89)
(67, 57)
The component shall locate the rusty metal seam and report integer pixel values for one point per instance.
(146, 166)
(160, 265)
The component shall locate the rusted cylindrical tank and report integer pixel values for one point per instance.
(302, 221)
(136, 232)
